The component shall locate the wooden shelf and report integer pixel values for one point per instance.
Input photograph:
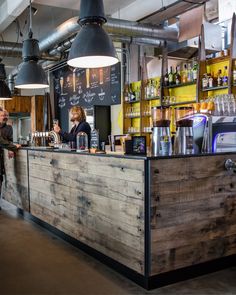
(217, 60)
(152, 98)
(179, 103)
(180, 85)
(135, 117)
(126, 132)
(214, 88)
(129, 102)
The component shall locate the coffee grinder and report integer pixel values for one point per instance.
(161, 139)
(184, 131)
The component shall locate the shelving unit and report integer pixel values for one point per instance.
(180, 85)
(214, 88)
(186, 93)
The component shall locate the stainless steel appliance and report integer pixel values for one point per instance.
(213, 134)
(184, 133)
(161, 138)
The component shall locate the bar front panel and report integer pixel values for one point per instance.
(193, 206)
(15, 186)
(97, 200)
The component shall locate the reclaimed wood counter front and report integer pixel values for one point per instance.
(151, 216)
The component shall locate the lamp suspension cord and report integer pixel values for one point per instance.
(30, 24)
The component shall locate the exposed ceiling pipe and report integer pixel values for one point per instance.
(113, 26)
(116, 38)
(11, 49)
(135, 29)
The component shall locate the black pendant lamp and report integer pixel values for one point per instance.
(31, 75)
(92, 47)
(5, 93)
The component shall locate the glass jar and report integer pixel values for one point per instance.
(82, 142)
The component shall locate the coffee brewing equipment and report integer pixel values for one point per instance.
(184, 131)
(161, 139)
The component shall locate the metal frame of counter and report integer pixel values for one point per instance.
(155, 220)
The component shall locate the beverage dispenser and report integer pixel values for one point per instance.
(184, 131)
(161, 139)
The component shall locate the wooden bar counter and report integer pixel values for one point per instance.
(156, 220)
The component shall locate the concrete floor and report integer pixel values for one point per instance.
(35, 262)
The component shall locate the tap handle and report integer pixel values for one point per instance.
(230, 165)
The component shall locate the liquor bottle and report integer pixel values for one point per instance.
(152, 89)
(166, 79)
(204, 81)
(195, 71)
(234, 73)
(219, 78)
(184, 76)
(189, 74)
(148, 88)
(171, 77)
(177, 76)
(210, 81)
(225, 76)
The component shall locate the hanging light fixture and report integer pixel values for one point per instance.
(31, 75)
(5, 93)
(92, 47)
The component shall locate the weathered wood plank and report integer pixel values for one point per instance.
(113, 188)
(97, 200)
(113, 248)
(15, 186)
(193, 207)
(118, 168)
(175, 258)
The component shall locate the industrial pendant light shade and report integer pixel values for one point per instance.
(92, 48)
(5, 93)
(31, 75)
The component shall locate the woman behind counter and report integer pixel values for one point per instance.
(78, 118)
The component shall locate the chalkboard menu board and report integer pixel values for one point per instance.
(94, 140)
(87, 87)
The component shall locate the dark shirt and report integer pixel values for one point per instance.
(6, 138)
(6, 131)
(81, 127)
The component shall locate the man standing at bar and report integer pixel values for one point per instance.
(6, 138)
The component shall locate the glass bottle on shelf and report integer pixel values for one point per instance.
(126, 94)
(234, 73)
(204, 81)
(166, 79)
(225, 76)
(152, 89)
(219, 78)
(147, 90)
(184, 75)
(171, 77)
(210, 81)
(189, 74)
(177, 76)
(195, 71)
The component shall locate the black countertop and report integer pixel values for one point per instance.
(117, 155)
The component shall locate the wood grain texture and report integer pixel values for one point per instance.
(15, 185)
(193, 211)
(97, 200)
(18, 104)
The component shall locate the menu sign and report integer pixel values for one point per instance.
(87, 87)
(94, 140)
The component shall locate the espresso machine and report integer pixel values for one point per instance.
(184, 140)
(161, 138)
